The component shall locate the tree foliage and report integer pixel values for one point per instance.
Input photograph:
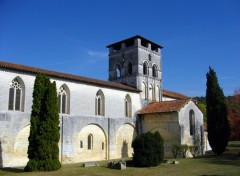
(217, 121)
(148, 149)
(43, 151)
(233, 105)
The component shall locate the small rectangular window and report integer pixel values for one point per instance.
(102, 145)
(81, 144)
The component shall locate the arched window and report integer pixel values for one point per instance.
(118, 71)
(144, 91)
(129, 68)
(151, 92)
(145, 68)
(63, 100)
(99, 103)
(16, 95)
(128, 106)
(157, 93)
(192, 123)
(154, 70)
(90, 142)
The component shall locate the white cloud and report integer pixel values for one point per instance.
(97, 54)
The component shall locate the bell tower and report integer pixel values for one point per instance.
(137, 62)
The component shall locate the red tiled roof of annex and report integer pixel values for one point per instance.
(164, 106)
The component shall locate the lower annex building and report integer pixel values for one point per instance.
(99, 119)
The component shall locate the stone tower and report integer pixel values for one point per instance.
(137, 62)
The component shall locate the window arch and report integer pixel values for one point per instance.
(144, 91)
(117, 71)
(154, 70)
(100, 104)
(192, 123)
(145, 68)
(63, 100)
(16, 95)
(128, 106)
(90, 142)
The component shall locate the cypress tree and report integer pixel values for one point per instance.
(217, 121)
(43, 151)
(49, 131)
(38, 95)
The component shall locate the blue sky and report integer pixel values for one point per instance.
(71, 36)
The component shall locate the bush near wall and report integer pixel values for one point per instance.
(148, 149)
(182, 150)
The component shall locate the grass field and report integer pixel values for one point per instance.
(210, 165)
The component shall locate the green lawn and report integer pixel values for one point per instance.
(225, 165)
(233, 145)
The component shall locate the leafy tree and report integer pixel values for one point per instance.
(148, 149)
(43, 151)
(234, 114)
(200, 100)
(217, 121)
(201, 104)
(202, 107)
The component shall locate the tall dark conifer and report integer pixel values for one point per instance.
(38, 95)
(43, 151)
(49, 130)
(217, 121)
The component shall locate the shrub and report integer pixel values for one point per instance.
(194, 150)
(175, 150)
(148, 149)
(184, 150)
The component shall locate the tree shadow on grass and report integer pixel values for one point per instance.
(232, 159)
(11, 169)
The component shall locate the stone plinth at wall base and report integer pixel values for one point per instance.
(90, 164)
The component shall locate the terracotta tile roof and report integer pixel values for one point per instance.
(164, 106)
(175, 95)
(86, 80)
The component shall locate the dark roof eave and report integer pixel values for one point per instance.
(136, 36)
(158, 112)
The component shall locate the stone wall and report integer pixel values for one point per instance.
(109, 132)
(82, 96)
(167, 125)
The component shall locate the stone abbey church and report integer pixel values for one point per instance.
(99, 119)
